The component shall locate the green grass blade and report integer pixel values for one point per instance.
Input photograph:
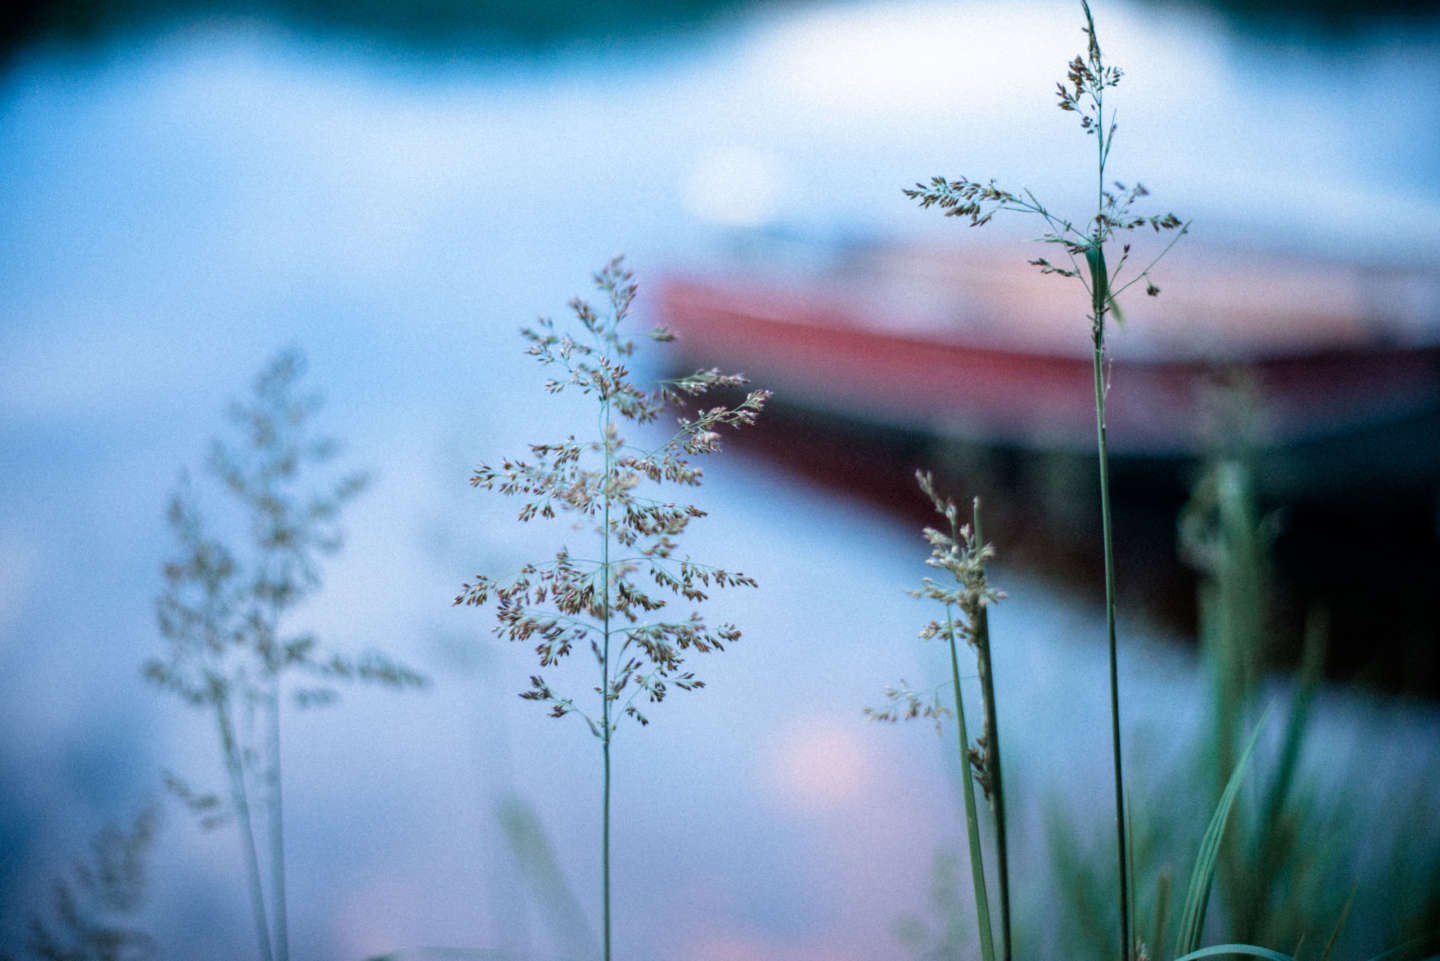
(539, 870)
(1335, 934)
(1197, 898)
(991, 728)
(972, 821)
(1228, 949)
(1162, 908)
(1311, 670)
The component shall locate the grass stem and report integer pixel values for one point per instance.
(992, 751)
(1101, 299)
(569, 603)
(1108, 536)
(605, 851)
(277, 828)
(606, 695)
(236, 769)
(972, 820)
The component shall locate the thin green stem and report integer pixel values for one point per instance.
(1098, 287)
(234, 767)
(992, 751)
(1184, 229)
(972, 820)
(605, 694)
(605, 845)
(1101, 299)
(277, 828)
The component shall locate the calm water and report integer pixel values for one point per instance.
(180, 205)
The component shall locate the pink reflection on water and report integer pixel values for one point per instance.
(817, 763)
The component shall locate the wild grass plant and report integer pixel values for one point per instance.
(1088, 77)
(1259, 860)
(227, 611)
(1285, 865)
(229, 604)
(960, 551)
(94, 910)
(600, 599)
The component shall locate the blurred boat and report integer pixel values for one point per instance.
(972, 345)
(970, 363)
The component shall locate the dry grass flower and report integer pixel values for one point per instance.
(224, 611)
(614, 606)
(966, 596)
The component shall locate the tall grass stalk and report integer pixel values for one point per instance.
(1088, 77)
(972, 820)
(1281, 863)
(962, 553)
(1095, 258)
(606, 484)
(224, 612)
(991, 752)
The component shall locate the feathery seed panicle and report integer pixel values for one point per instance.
(966, 592)
(1087, 79)
(963, 554)
(224, 608)
(612, 486)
